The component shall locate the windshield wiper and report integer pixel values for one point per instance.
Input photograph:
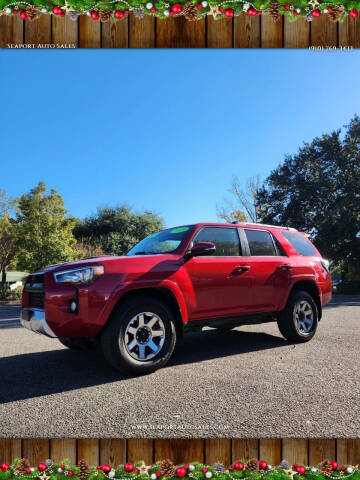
(145, 253)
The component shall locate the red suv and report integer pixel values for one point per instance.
(209, 274)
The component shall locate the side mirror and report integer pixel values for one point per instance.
(202, 249)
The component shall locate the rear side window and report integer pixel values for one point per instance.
(301, 244)
(260, 243)
(226, 240)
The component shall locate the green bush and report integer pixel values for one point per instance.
(7, 294)
(349, 287)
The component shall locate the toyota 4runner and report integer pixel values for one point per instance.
(209, 274)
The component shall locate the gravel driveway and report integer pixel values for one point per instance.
(244, 383)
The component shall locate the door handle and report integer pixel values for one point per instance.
(242, 268)
(285, 266)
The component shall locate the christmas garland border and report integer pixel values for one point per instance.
(113, 10)
(250, 470)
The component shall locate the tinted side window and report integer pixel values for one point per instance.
(260, 243)
(301, 244)
(226, 240)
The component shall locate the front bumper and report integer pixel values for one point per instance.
(34, 319)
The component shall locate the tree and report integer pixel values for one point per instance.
(44, 229)
(318, 190)
(118, 229)
(245, 198)
(8, 235)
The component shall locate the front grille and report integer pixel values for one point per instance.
(36, 299)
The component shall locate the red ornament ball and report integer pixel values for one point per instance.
(329, 9)
(176, 8)
(342, 468)
(119, 14)
(28, 470)
(63, 467)
(316, 13)
(239, 466)
(181, 472)
(70, 473)
(128, 467)
(15, 12)
(153, 10)
(95, 15)
(57, 10)
(295, 13)
(199, 6)
(231, 469)
(186, 466)
(334, 465)
(353, 13)
(251, 12)
(287, 6)
(4, 467)
(229, 12)
(300, 470)
(222, 9)
(262, 465)
(42, 467)
(158, 474)
(106, 468)
(204, 470)
(23, 15)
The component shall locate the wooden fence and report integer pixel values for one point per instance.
(117, 451)
(241, 31)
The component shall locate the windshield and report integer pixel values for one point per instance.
(166, 241)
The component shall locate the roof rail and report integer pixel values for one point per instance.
(267, 225)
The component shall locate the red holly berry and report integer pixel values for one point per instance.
(229, 12)
(204, 470)
(106, 468)
(153, 10)
(23, 15)
(158, 474)
(353, 13)
(262, 465)
(128, 467)
(28, 470)
(239, 466)
(342, 468)
(186, 466)
(316, 13)
(172, 13)
(95, 15)
(15, 12)
(258, 12)
(176, 8)
(4, 467)
(119, 14)
(251, 12)
(136, 470)
(300, 470)
(126, 11)
(295, 13)
(334, 465)
(62, 14)
(222, 9)
(181, 472)
(57, 10)
(329, 9)
(70, 473)
(42, 467)
(287, 6)
(295, 465)
(231, 469)
(63, 467)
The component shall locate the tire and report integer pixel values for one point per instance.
(294, 325)
(83, 344)
(129, 332)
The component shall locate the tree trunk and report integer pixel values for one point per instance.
(3, 277)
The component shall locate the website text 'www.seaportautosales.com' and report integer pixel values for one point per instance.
(184, 426)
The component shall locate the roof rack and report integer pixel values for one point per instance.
(264, 225)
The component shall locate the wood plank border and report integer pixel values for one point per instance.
(226, 451)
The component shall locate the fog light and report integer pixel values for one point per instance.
(73, 306)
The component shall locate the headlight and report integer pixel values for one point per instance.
(79, 275)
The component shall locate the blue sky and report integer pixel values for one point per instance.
(163, 130)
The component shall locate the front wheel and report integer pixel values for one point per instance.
(298, 321)
(140, 337)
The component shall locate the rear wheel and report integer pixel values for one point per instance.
(85, 344)
(298, 321)
(140, 337)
